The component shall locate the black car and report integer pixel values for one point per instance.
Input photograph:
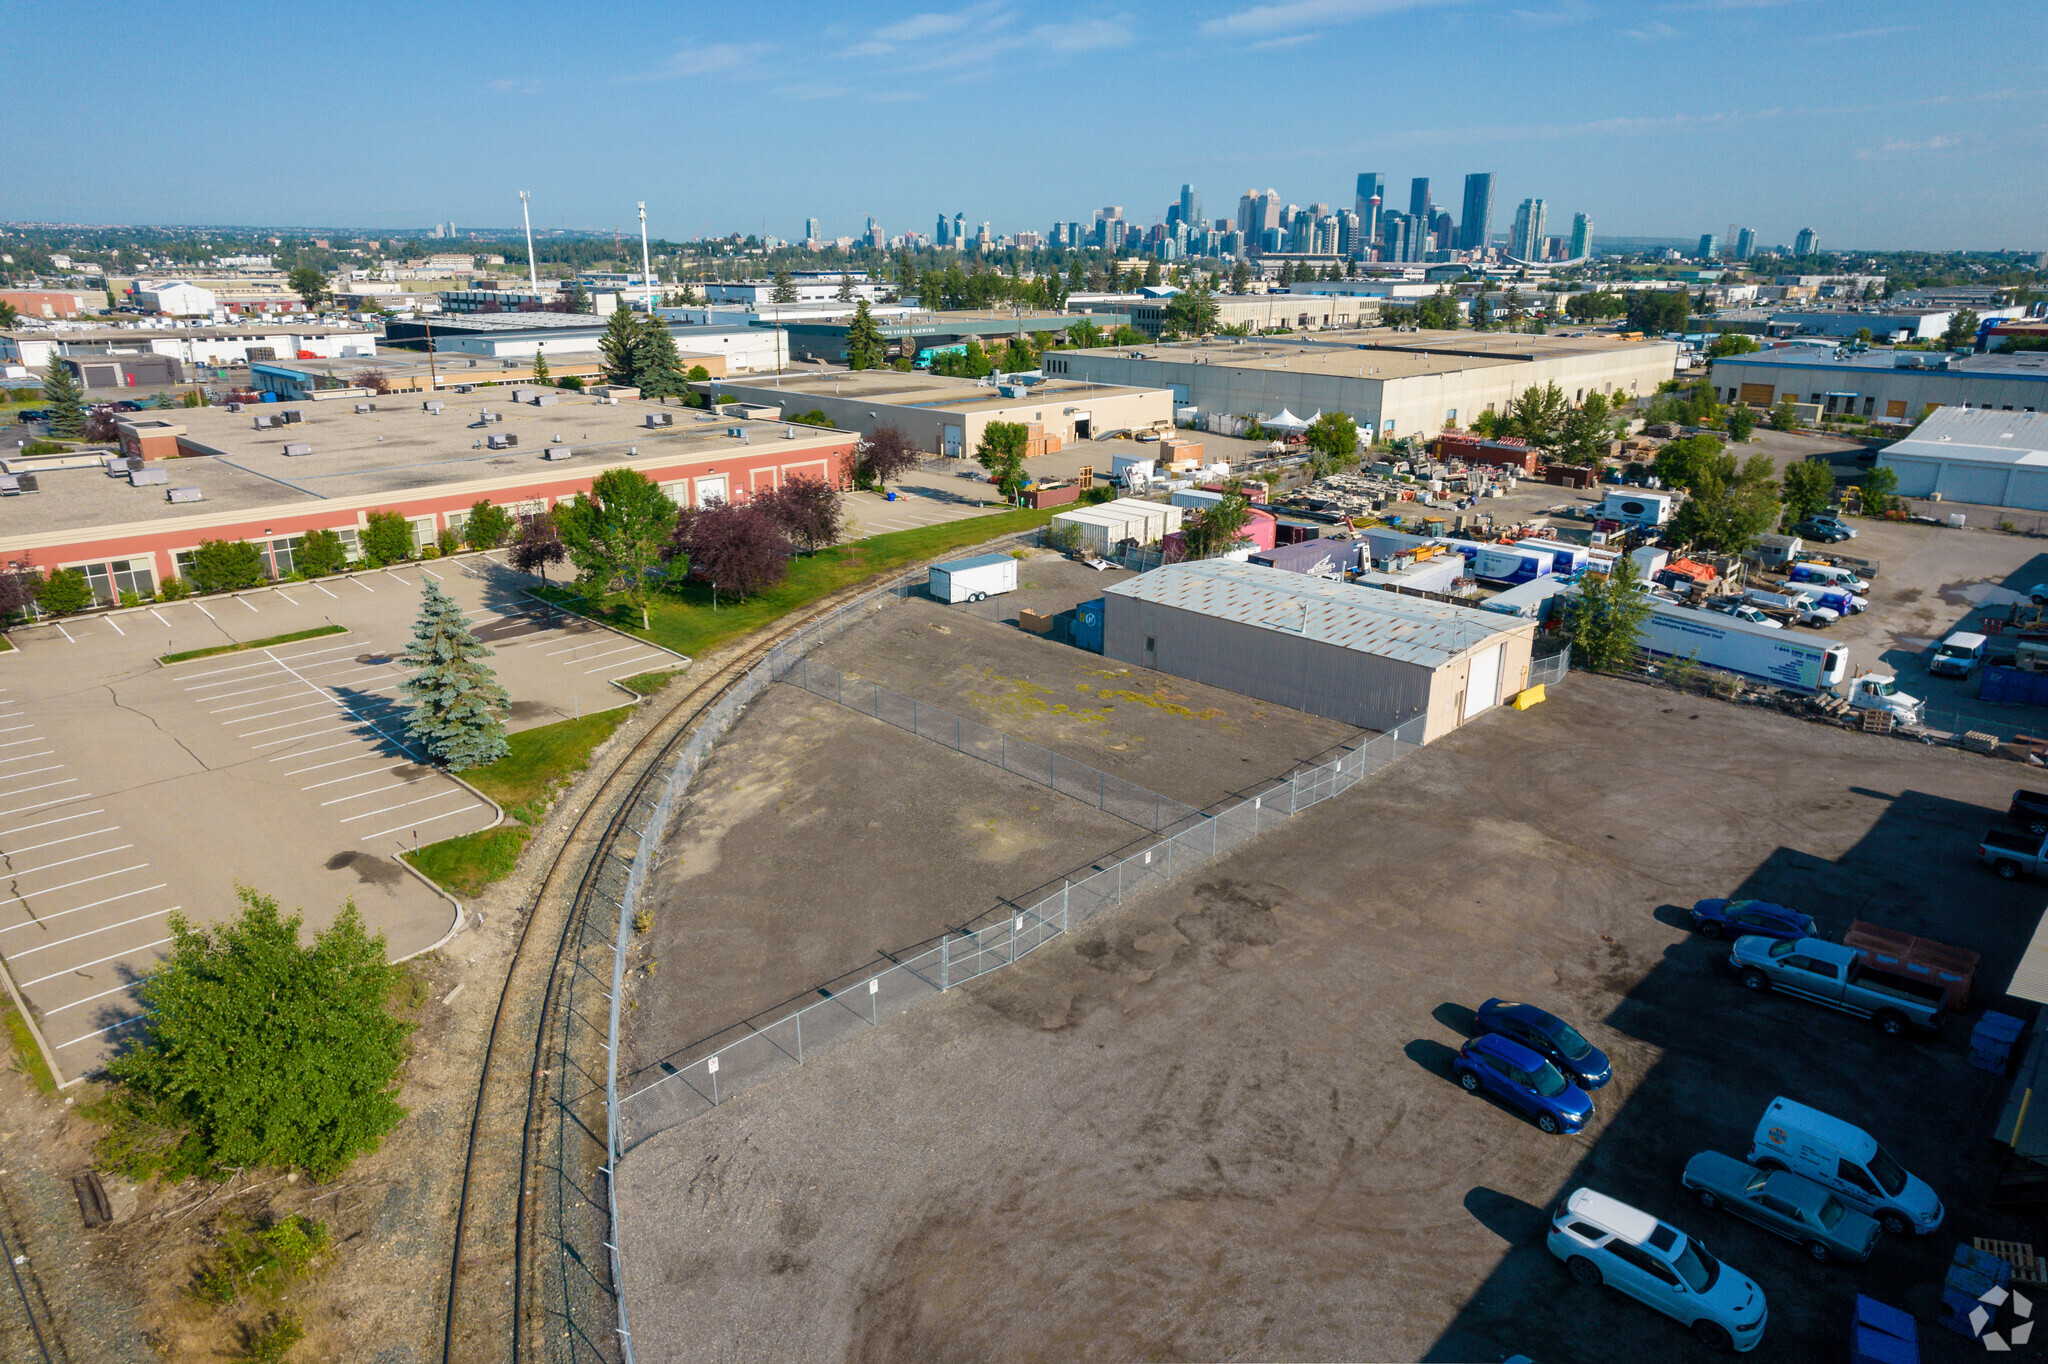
(32, 415)
(1814, 530)
(125, 406)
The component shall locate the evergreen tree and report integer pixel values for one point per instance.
(619, 349)
(785, 286)
(845, 294)
(864, 348)
(458, 701)
(579, 298)
(657, 366)
(540, 368)
(1240, 278)
(65, 400)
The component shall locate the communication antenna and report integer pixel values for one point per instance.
(532, 271)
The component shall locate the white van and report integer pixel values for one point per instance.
(1827, 575)
(1603, 1240)
(1847, 1160)
(1959, 654)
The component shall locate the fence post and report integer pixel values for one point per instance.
(946, 960)
(1102, 790)
(799, 1036)
(1065, 887)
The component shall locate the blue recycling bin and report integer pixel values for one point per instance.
(892, 497)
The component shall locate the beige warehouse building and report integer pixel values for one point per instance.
(1392, 383)
(1362, 655)
(947, 415)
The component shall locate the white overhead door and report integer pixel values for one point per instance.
(1482, 685)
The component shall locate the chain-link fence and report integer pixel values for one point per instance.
(769, 1048)
(1549, 669)
(1077, 780)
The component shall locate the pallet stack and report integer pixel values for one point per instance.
(1991, 1041)
(1971, 1274)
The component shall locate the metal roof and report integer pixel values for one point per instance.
(1371, 620)
(978, 561)
(1977, 435)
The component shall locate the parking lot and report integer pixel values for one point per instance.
(130, 790)
(1219, 1123)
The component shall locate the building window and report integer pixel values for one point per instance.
(1450, 415)
(423, 532)
(281, 555)
(351, 543)
(109, 580)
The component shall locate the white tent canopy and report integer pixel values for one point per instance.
(1286, 421)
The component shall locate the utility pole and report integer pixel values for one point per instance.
(646, 272)
(532, 270)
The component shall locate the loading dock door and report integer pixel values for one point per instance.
(953, 442)
(1482, 687)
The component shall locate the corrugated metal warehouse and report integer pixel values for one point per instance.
(1969, 454)
(1366, 656)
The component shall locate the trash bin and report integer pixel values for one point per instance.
(892, 497)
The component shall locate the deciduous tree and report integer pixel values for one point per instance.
(319, 553)
(226, 565)
(1216, 528)
(1733, 343)
(1654, 311)
(260, 1051)
(458, 706)
(1605, 616)
(386, 538)
(487, 526)
(735, 547)
(615, 533)
(309, 284)
(376, 380)
(1333, 435)
(1001, 452)
(1809, 486)
(65, 591)
(537, 545)
(809, 510)
(887, 453)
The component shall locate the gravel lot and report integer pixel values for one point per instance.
(1217, 1124)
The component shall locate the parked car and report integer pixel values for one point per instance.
(1799, 605)
(1845, 1159)
(1831, 974)
(32, 415)
(1826, 533)
(1550, 1037)
(1499, 1065)
(2030, 808)
(2038, 593)
(1603, 1240)
(2011, 854)
(1833, 520)
(1742, 610)
(1797, 1209)
(1745, 918)
(126, 406)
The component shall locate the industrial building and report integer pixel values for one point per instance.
(1884, 384)
(825, 338)
(1363, 655)
(1392, 384)
(521, 336)
(1991, 458)
(1260, 312)
(325, 466)
(947, 415)
(226, 344)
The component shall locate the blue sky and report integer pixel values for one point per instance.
(1878, 123)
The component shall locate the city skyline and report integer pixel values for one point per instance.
(1594, 128)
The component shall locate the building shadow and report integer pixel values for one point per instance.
(1723, 1054)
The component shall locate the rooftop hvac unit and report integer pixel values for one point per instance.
(546, 400)
(555, 439)
(291, 415)
(144, 478)
(184, 495)
(29, 483)
(365, 407)
(433, 407)
(465, 388)
(789, 433)
(736, 432)
(10, 485)
(661, 419)
(264, 423)
(234, 407)
(118, 465)
(298, 448)
(557, 452)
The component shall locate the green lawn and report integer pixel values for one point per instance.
(541, 763)
(294, 637)
(684, 620)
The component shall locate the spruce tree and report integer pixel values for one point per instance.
(864, 345)
(458, 699)
(66, 401)
(620, 348)
(540, 369)
(785, 286)
(656, 362)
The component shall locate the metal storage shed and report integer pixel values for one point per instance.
(1366, 656)
(1975, 454)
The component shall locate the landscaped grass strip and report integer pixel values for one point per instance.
(292, 638)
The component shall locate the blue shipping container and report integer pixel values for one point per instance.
(2013, 687)
(1088, 625)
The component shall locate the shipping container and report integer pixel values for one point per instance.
(1565, 559)
(1326, 558)
(1088, 625)
(1510, 563)
(985, 575)
(1532, 600)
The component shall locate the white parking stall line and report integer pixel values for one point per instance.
(272, 729)
(203, 611)
(99, 962)
(28, 756)
(273, 743)
(246, 602)
(160, 616)
(365, 586)
(19, 953)
(309, 752)
(435, 576)
(54, 800)
(68, 838)
(247, 691)
(318, 588)
(331, 762)
(406, 805)
(356, 711)
(285, 710)
(230, 668)
(314, 653)
(116, 628)
(623, 663)
(46, 823)
(85, 881)
(15, 728)
(395, 578)
(288, 600)
(358, 776)
(46, 1013)
(570, 649)
(15, 715)
(17, 743)
(82, 857)
(54, 767)
(64, 632)
(80, 909)
(373, 791)
(416, 823)
(623, 649)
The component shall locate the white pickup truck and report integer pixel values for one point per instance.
(1876, 691)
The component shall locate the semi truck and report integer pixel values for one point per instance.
(1781, 657)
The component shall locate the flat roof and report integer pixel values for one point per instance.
(395, 450)
(137, 335)
(1369, 620)
(1376, 354)
(1978, 435)
(920, 388)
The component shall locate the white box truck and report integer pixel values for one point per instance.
(1636, 506)
(985, 575)
(1782, 657)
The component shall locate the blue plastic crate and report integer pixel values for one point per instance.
(1881, 1334)
(1980, 1263)
(1997, 1027)
(1993, 1062)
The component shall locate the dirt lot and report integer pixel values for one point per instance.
(1218, 1123)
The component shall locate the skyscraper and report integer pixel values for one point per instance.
(1348, 242)
(1190, 206)
(1442, 234)
(1807, 242)
(959, 231)
(1418, 198)
(811, 232)
(1526, 241)
(1582, 236)
(1710, 247)
(1745, 243)
(1475, 229)
(1372, 194)
(943, 237)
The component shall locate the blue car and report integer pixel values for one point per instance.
(1751, 918)
(1550, 1037)
(1496, 1065)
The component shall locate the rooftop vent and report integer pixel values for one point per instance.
(557, 452)
(184, 495)
(144, 478)
(296, 448)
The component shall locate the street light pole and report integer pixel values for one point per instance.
(646, 271)
(532, 269)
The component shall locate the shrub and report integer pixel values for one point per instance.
(320, 553)
(572, 382)
(261, 1260)
(130, 598)
(173, 589)
(488, 525)
(226, 565)
(64, 592)
(387, 538)
(449, 542)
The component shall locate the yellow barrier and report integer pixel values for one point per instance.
(1527, 697)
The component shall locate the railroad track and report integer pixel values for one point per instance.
(493, 1313)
